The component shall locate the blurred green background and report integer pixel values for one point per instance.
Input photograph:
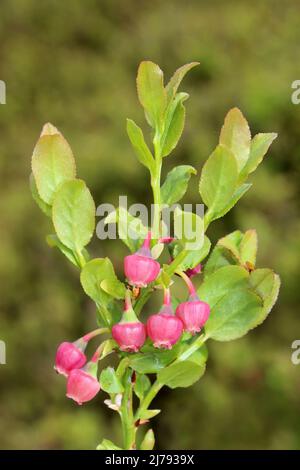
(73, 63)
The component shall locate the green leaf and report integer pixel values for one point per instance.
(151, 92)
(148, 441)
(92, 275)
(73, 214)
(173, 84)
(148, 414)
(109, 381)
(141, 386)
(266, 284)
(164, 279)
(199, 356)
(130, 229)
(174, 124)
(106, 444)
(46, 208)
(108, 346)
(218, 181)
(232, 242)
(259, 146)
(137, 140)
(233, 315)
(181, 374)
(223, 281)
(52, 163)
(112, 312)
(248, 248)
(237, 195)
(243, 247)
(157, 250)
(219, 258)
(176, 183)
(233, 249)
(53, 241)
(150, 361)
(114, 287)
(192, 257)
(236, 136)
(188, 228)
(226, 252)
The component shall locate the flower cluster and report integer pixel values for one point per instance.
(71, 361)
(163, 329)
(166, 345)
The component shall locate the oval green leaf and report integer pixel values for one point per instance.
(176, 183)
(52, 163)
(218, 180)
(109, 381)
(236, 136)
(73, 214)
(181, 374)
(151, 92)
(233, 315)
(137, 140)
(92, 275)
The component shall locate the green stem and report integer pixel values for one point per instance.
(128, 426)
(80, 258)
(176, 262)
(104, 315)
(92, 334)
(121, 369)
(187, 280)
(142, 299)
(193, 348)
(155, 184)
(148, 399)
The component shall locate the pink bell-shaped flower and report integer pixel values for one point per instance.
(129, 333)
(164, 328)
(82, 384)
(70, 356)
(194, 312)
(140, 268)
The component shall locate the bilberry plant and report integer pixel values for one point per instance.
(169, 348)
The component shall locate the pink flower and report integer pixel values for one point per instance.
(194, 313)
(140, 268)
(129, 336)
(70, 356)
(129, 333)
(82, 386)
(164, 328)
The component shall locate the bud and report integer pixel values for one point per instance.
(164, 328)
(129, 333)
(70, 356)
(194, 314)
(82, 384)
(140, 268)
(148, 441)
(191, 272)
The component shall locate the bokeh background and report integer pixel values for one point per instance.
(73, 63)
